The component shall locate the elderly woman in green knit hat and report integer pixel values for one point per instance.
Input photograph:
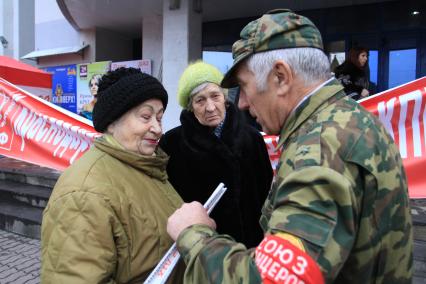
(214, 144)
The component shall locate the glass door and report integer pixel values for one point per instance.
(402, 66)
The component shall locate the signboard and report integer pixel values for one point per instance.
(144, 65)
(88, 74)
(64, 87)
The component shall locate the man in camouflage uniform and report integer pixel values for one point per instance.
(339, 202)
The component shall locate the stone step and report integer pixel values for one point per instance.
(418, 213)
(419, 262)
(19, 171)
(33, 195)
(20, 218)
(24, 192)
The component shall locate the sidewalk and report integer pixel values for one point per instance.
(19, 259)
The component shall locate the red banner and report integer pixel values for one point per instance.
(39, 132)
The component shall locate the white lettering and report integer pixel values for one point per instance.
(282, 274)
(300, 266)
(18, 125)
(3, 138)
(285, 255)
(424, 125)
(273, 269)
(264, 264)
(270, 246)
(416, 96)
(35, 127)
(45, 129)
(42, 131)
(386, 116)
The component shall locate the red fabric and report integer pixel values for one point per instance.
(19, 73)
(39, 132)
(402, 110)
(279, 261)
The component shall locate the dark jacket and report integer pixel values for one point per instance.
(199, 161)
(353, 79)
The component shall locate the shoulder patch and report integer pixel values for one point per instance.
(308, 151)
(292, 239)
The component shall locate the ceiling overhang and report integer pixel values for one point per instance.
(126, 15)
(55, 51)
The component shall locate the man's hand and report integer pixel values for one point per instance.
(189, 214)
(364, 93)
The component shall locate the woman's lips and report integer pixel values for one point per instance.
(213, 117)
(152, 141)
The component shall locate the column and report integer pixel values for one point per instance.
(181, 44)
(152, 42)
(23, 29)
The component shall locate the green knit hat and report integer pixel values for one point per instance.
(194, 75)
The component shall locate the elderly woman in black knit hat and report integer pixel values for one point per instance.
(215, 144)
(106, 218)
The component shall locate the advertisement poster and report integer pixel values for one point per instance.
(64, 87)
(88, 75)
(144, 65)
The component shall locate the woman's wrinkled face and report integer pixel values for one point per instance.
(139, 129)
(362, 58)
(209, 105)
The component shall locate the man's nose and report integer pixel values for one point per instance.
(242, 102)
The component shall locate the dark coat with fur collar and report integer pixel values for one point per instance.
(199, 161)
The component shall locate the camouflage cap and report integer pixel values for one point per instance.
(277, 29)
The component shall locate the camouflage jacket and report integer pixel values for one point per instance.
(340, 187)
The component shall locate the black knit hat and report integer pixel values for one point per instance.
(128, 89)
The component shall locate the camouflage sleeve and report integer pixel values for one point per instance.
(316, 204)
(321, 207)
(213, 258)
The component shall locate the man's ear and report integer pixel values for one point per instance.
(284, 76)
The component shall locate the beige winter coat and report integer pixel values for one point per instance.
(106, 218)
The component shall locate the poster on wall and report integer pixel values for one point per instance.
(88, 76)
(64, 88)
(144, 65)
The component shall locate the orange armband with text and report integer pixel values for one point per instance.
(280, 261)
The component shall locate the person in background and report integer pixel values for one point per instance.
(214, 144)
(353, 73)
(338, 210)
(93, 87)
(105, 221)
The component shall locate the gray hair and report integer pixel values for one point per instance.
(198, 89)
(309, 64)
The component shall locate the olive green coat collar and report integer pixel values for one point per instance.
(154, 166)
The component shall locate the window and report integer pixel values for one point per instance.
(373, 64)
(222, 60)
(402, 67)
